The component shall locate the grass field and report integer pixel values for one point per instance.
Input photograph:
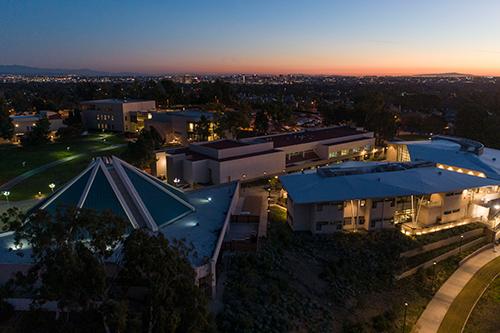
(485, 316)
(459, 310)
(13, 156)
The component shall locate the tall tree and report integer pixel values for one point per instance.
(261, 125)
(6, 126)
(69, 250)
(172, 301)
(380, 117)
(39, 133)
(202, 129)
(141, 152)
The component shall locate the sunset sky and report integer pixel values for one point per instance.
(254, 36)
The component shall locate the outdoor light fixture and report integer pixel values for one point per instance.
(497, 206)
(209, 199)
(6, 195)
(52, 186)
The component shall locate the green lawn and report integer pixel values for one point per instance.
(59, 175)
(12, 156)
(485, 317)
(457, 314)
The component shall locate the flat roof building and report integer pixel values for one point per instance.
(419, 196)
(226, 160)
(116, 115)
(181, 127)
(24, 123)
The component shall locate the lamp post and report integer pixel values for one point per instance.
(52, 186)
(460, 247)
(177, 181)
(404, 318)
(433, 275)
(6, 195)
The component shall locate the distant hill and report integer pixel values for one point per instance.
(444, 75)
(27, 70)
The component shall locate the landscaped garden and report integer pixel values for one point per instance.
(341, 283)
(17, 160)
(459, 310)
(485, 316)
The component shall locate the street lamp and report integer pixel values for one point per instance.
(177, 181)
(6, 195)
(52, 186)
(404, 320)
(460, 247)
(433, 274)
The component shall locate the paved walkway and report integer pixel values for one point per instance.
(16, 180)
(433, 315)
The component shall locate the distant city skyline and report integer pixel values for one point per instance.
(386, 37)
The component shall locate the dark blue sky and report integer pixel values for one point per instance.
(315, 36)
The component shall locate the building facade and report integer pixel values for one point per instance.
(182, 127)
(116, 115)
(418, 196)
(252, 158)
(25, 123)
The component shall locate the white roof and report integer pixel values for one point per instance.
(365, 181)
(449, 153)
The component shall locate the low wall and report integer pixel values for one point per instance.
(440, 258)
(441, 243)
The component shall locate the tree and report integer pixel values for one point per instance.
(202, 129)
(141, 152)
(39, 133)
(69, 250)
(280, 113)
(261, 125)
(379, 116)
(6, 126)
(334, 113)
(172, 302)
(478, 118)
(231, 122)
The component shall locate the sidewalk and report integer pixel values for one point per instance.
(433, 315)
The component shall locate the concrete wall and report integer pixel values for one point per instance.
(299, 216)
(250, 167)
(219, 154)
(196, 171)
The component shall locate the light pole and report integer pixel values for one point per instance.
(433, 275)
(6, 195)
(52, 186)
(404, 319)
(460, 247)
(177, 181)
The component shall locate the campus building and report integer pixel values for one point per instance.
(24, 123)
(117, 115)
(181, 127)
(226, 160)
(419, 196)
(200, 218)
(450, 153)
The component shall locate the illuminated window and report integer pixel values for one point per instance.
(344, 152)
